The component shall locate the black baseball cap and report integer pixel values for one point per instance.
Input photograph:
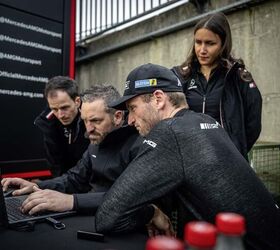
(146, 79)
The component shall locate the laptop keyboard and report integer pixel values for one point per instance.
(13, 209)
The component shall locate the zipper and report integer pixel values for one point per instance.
(203, 104)
(70, 136)
(221, 117)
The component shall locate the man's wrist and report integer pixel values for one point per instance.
(71, 201)
(156, 213)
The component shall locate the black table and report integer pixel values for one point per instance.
(46, 237)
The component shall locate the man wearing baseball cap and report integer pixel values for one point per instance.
(146, 79)
(188, 154)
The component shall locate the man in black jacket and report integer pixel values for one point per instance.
(186, 153)
(113, 146)
(61, 124)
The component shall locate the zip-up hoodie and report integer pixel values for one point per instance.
(64, 145)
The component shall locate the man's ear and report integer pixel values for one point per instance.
(118, 117)
(77, 101)
(160, 98)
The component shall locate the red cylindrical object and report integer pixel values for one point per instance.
(230, 223)
(200, 234)
(164, 243)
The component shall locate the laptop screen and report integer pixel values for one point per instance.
(3, 212)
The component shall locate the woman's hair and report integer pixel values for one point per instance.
(218, 24)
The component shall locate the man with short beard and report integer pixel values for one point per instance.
(113, 146)
(189, 155)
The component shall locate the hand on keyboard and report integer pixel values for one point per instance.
(9, 191)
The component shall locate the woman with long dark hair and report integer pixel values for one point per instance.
(217, 84)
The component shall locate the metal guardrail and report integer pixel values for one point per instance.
(264, 158)
(94, 17)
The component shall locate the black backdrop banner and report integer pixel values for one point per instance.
(34, 46)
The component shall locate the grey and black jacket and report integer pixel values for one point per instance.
(191, 156)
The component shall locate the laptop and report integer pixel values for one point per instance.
(11, 216)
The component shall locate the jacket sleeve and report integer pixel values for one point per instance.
(88, 202)
(51, 137)
(252, 102)
(155, 171)
(75, 180)
(54, 153)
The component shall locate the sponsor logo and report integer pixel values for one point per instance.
(209, 125)
(179, 82)
(145, 83)
(192, 85)
(126, 86)
(150, 143)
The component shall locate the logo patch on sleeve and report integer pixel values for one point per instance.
(209, 125)
(252, 85)
(150, 143)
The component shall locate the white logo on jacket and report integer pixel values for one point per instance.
(150, 143)
(179, 82)
(192, 85)
(209, 125)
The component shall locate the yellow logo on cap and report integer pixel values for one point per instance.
(145, 83)
(153, 82)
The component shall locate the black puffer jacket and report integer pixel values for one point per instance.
(240, 106)
(62, 149)
(99, 167)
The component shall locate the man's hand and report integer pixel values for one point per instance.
(47, 200)
(160, 224)
(25, 187)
